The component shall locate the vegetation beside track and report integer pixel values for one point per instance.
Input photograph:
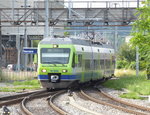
(19, 86)
(136, 85)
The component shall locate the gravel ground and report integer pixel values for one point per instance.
(3, 94)
(105, 110)
(62, 102)
(14, 110)
(40, 106)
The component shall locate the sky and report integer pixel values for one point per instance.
(30, 2)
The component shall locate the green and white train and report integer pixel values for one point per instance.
(65, 62)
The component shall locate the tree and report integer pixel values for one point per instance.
(141, 31)
(126, 57)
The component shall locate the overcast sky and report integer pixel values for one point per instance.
(6, 3)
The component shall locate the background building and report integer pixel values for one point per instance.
(10, 34)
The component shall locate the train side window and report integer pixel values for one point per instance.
(96, 64)
(80, 60)
(73, 60)
(102, 64)
(82, 49)
(87, 64)
(113, 61)
(107, 63)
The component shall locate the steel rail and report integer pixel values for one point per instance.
(51, 104)
(6, 98)
(111, 105)
(23, 107)
(11, 100)
(124, 102)
(31, 97)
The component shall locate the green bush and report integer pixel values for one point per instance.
(121, 64)
(132, 65)
(126, 58)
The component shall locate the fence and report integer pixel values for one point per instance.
(11, 71)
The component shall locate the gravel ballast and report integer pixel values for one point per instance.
(40, 106)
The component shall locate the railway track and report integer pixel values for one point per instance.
(55, 107)
(125, 107)
(51, 97)
(142, 108)
(30, 98)
(102, 98)
(14, 99)
(27, 97)
(78, 106)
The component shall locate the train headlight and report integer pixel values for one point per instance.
(43, 70)
(55, 46)
(64, 70)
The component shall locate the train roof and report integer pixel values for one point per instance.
(75, 41)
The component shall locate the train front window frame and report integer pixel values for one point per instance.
(55, 55)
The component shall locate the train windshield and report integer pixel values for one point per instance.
(55, 55)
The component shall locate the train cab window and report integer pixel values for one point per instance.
(55, 55)
(79, 60)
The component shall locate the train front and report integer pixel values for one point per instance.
(55, 63)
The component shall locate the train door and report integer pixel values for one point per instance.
(104, 64)
(83, 67)
(79, 68)
(92, 66)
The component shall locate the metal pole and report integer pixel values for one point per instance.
(46, 18)
(25, 36)
(116, 35)
(0, 45)
(70, 2)
(137, 60)
(137, 52)
(137, 3)
(115, 43)
(31, 56)
(18, 48)
(13, 5)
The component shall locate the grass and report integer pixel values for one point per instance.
(136, 85)
(19, 86)
(127, 72)
(31, 82)
(18, 81)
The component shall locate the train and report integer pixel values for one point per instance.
(65, 62)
